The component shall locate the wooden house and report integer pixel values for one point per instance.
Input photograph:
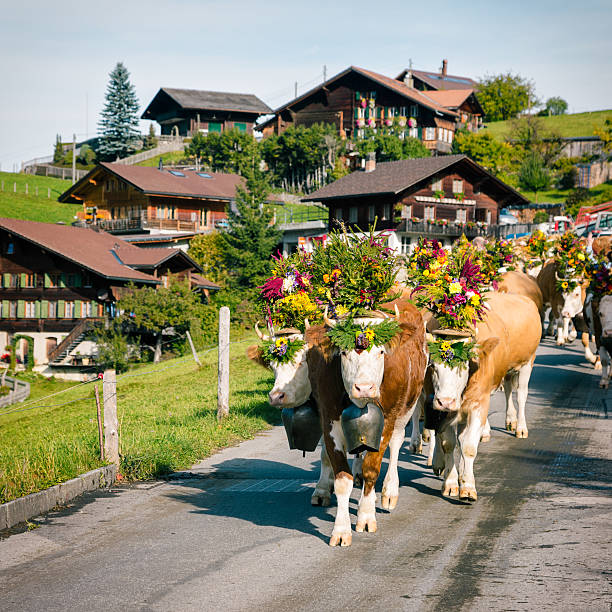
(435, 196)
(137, 198)
(187, 111)
(357, 98)
(57, 280)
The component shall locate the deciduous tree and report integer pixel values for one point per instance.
(504, 96)
(533, 175)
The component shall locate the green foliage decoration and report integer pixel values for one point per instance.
(281, 349)
(453, 354)
(348, 335)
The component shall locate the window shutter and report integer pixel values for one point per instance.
(44, 309)
(20, 309)
(62, 280)
(7, 279)
(37, 309)
(61, 305)
(22, 282)
(77, 280)
(47, 280)
(77, 309)
(5, 309)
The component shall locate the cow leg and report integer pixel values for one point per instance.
(438, 459)
(431, 434)
(486, 432)
(588, 353)
(605, 367)
(416, 442)
(562, 329)
(572, 333)
(427, 434)
(509, 385)
(390, 488)
(357, 469)
(322, 492)
(343, 484)
(469, 437)
(521, 398)
(448, 439)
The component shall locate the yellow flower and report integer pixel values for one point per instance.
(475, 299)
(326, 278)
(454, 288)
(564, 285)
(369, 334)
(413, 266)
(445, 346)
(580, 256)
(305, 281)
(341, 310)
(281, 341)
(425, 272)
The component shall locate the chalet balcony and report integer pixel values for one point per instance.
(442, 229)
(184, 223)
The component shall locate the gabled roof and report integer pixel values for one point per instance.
(397, 176)
(195, 99)
(412, 95)
(152, 181)
(98, 252)
(147, 258)
(449, 98)
(436, 80)
(197, 280)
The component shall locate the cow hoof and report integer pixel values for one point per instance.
(597, 365)
(450, 490)
(485, 437)
(426, 436)
(429, 461)
(388, 502)
(416, 449)
(511, 425)
(522, 432)
(437, 471)
(320, 499)
(560, 343)
(603, 384)
(367, 524)
(468, 493)
(344, 538)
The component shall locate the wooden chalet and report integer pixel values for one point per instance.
(57, 280)
(357, 98)
(439, 197)
(136, 198)
(187, 111)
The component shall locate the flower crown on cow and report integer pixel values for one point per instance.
(538, 245)
(601, 279)
(453, 353)
(354, 273)
(572, 262)
(281, 349)
(427, 260)
(348, 335)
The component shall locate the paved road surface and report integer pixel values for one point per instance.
(242, 535)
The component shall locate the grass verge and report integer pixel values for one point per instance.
(167, 414)
(32, 207)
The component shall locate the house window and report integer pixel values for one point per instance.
(429, 213)
(430, 133)
(450, 136)
(10, 248)
(86, 279)
(13, 309)
(86, 310)
(391, 112)
(15, 280)
(402, 111)
(339, 214)
(457, 186)
(53, 310)
(407, 211)
(371, 213)
(413, 132)
(69, 310)
(436, 185)
(241, 127)
(30, 310)
(405, 246)
(414, 110)
(214, 126)
(386, 212)
(461, 215)
(353, 214)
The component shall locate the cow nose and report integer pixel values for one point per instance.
(363, 390)
(445, 403)
(276, 398)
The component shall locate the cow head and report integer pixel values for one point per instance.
(291, 382)
(362, 369)
(605, 316)
(573, 302)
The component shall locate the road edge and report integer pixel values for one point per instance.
(24, 508)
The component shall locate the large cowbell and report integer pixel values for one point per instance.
(303, 426)
(362, 427)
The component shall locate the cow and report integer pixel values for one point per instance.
(564, 305)
(523, 284)
(506, 340)
(601, 309)
(391, 375)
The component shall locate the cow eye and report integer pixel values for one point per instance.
(343, 353)
(382, 352)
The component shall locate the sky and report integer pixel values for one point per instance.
(56, 56)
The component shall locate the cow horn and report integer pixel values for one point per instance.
(258, 332)
(329, 322)
(306, 323)
(397, 312)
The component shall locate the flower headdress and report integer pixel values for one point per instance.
(538, 245)
(452, 353)
(601, 279)
(348, 335)
(282, 349)
(426, 262)
(572, 262)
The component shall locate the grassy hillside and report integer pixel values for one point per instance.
(568, 126)
(167, 415)
(32, 207)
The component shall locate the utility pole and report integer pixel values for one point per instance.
(295, 96)
(73, 159)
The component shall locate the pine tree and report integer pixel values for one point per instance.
(118, 126)
(58, 151)
(251, 237)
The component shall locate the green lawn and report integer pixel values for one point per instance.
(568, 126)
(19, 205)
(599, 194)
(174, 157)
(167, 414)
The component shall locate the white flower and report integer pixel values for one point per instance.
(289, 283)
(469, 294)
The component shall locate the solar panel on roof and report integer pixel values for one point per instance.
(176, 173)
(204, 174)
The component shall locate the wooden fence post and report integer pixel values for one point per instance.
(223, 373)
(111, 423)
(48, 192)
(195, 355)
(100, 435)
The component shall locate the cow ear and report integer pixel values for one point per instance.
(408, 328)
(487, 347)
(254, 353)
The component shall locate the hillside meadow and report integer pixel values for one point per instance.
(167, 419)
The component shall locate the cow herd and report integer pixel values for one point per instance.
(427, 369)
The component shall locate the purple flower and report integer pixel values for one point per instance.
(362, 342)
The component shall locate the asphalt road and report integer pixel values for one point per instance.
(238, 533)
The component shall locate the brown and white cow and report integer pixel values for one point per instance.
(564, 305)
(522, 284)
(507, 340)
(391, 375)
(601, 308)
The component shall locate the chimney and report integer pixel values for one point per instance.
(408, 80)
(444, 67)
(370, 164)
